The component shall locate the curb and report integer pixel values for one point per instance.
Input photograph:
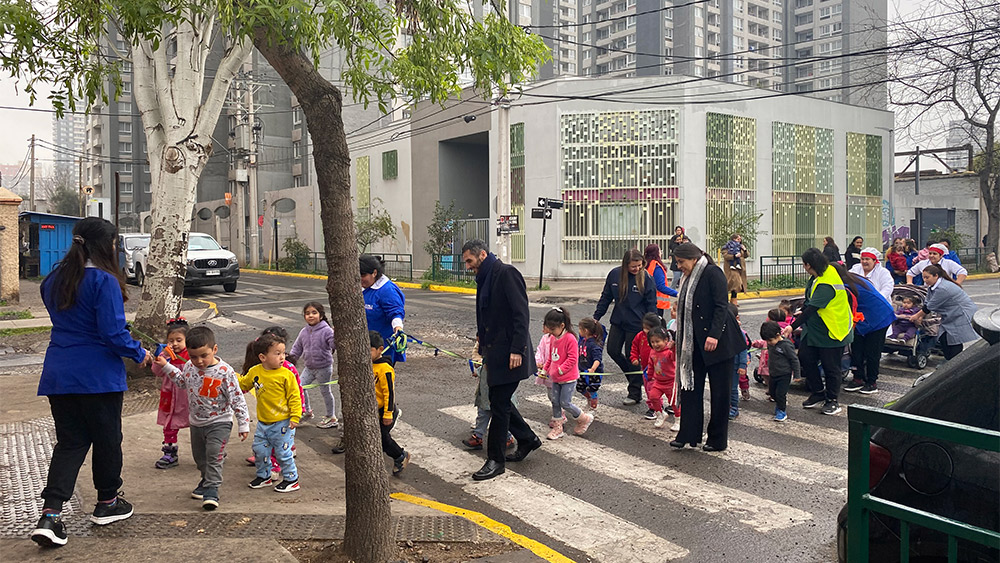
(983, 276)
(206, 314)
(407, 285)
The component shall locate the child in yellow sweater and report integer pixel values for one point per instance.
(279, 408)
(385, 396)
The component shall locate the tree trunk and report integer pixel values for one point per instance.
(989, 187)
(366, 538)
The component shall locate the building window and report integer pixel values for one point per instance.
(864, 185)
(699, 12)
(121, 46)
(125, 127)
(730, 167)
(803, 19)
(296, 116)
(390, 165)
(586, 54)
(298, 181)
(738, 24)
(148, 188)
(668, 33)
(125, 148)
(619, 182)
(525, 10)
(296, 149)
(127, 168)
(125, 206)
(124, 109)
(126, 67)
(802, 187)
(126, 88)
(126, 187)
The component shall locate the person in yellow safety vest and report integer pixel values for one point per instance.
(827, 326)
(656, 269)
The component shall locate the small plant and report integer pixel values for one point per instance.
(296, 255)
(441, 230)
(376, 226)
(15, 315)
(956, 238)
(745, 223)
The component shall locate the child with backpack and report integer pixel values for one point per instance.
(591, 359)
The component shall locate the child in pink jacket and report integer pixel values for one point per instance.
(561, 366)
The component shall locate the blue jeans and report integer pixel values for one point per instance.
(280, 437)
(561, 396)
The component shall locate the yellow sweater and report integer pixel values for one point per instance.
(385, 388)
(277, 393)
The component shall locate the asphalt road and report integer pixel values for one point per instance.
(619, 494)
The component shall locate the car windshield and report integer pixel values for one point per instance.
(203, 242)
(132, 243)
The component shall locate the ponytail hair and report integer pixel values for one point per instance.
(94, 242)
(658, 332)
(594, 328)
(558, 316)
(652, 320)
(260, 346)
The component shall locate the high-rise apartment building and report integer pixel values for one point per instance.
(961, 133)
(68, 131)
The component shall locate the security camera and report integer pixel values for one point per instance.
(469, 118)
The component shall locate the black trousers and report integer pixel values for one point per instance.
(810, 357)
(619, 338)
(389, 445)
(83, 421)
(866, 353)
(504, 418)
(949, 350)
(777, 388)
(693, 404)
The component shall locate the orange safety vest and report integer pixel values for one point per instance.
(662, 299)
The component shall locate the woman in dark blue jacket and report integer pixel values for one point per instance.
(633, 292)
(84, 376)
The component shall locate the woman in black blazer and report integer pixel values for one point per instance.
(708, 339)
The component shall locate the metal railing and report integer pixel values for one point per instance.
(973, 259)
(860, 503)
(468, 229)
(450, 267)
(782, 272)
(397, 266)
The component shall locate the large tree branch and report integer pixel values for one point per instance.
(231, 62)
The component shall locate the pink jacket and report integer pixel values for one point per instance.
(561, 365)
(663, 364)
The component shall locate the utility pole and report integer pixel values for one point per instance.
(503, 175)
(31, 184)
(79, 192)
(252, 172)
(117, 208)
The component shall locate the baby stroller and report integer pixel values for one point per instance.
(917, 349)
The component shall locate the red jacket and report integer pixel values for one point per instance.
(640, 350)
(663, 365)
(896, 261)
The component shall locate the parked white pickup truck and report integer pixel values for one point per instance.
(208, 263)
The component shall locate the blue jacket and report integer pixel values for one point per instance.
(627, 315)
(89, 339)
(384, 302)
(878, 312)
(952, 255)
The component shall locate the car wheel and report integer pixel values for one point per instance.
(229, 287)
(140, 276)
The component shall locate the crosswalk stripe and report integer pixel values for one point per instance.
(229, 324)
(294, 311)
(600, 534)
(819, 434)
(764, 459)
(762, 514)
(259, 315)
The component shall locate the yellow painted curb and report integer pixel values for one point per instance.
(772, 293)
(983, 276)
(212, 306)
(503, 530)
(286, 274)
(408, 285)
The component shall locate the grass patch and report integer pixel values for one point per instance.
(448, 283)
(6, 332)
(15, 315)
(545, 287)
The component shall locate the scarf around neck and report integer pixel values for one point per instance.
(685, 337)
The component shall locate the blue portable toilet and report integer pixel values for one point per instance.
(48, 237)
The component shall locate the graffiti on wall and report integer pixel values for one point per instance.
(889, 229)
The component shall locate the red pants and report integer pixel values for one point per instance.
(659, 391)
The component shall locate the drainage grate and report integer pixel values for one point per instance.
(140, 404)
(440, 528)
(25, 452)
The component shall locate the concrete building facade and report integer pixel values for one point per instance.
(944, 201)
(628, 174)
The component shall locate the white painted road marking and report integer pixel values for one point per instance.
(600, 534)
(762, 514)
(260, 315)
(763, 459)
(230, 324)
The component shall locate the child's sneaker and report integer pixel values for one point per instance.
(780, 416)
(869, 389)
(650, 415)
(510, 441)
(252, 461)
(287, 486)
(199, 492)
(746, 394)
(400, 464)
(854, 385)
(676, 426)
(261, 482)
(211, 500)
(328, 422)
(50, 531)
(737, 267)
(109, 512)
(734, 414)
(473, 442)
(556, 424)
(583, 423)
(660, 417)
(306, 415)
(169, 458)
(562, 420)
(593, 402)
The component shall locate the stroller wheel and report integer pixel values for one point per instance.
(918, 361)
(757, 376)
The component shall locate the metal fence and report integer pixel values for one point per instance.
(973, 259)
(450, 267)
(861, 504)
(782, 272)
(468, 229)
(397, 266)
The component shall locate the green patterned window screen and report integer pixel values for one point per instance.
(864, 187)
(364, 186)
(802, 187)
(390, 165)
(517, 247)
(730, 167)
(619, 176)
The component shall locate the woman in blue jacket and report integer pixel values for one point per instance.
(84, 376)
(384, 305)
(875, 316)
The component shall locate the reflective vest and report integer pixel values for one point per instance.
(837, 315)
(662, 299)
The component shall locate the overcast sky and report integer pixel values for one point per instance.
(17, 126)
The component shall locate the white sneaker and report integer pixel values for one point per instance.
(328, 422)
(661, 417)
(676, 426)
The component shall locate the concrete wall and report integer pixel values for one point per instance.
(958, 192)
(9, 246)
(394, 195)
(464, 169)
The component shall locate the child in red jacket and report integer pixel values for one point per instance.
(663, 384)
(640, 353)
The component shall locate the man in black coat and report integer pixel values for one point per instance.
(505, 344)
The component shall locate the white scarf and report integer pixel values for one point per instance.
(685, 337)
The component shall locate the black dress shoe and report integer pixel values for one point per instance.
(522, 451)
(489, 470)
(677, 444)
(711, 448)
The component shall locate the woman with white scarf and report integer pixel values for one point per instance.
(708, 339)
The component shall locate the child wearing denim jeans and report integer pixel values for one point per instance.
(279, 409)
(563, 370)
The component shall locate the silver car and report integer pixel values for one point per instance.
(208, 263)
